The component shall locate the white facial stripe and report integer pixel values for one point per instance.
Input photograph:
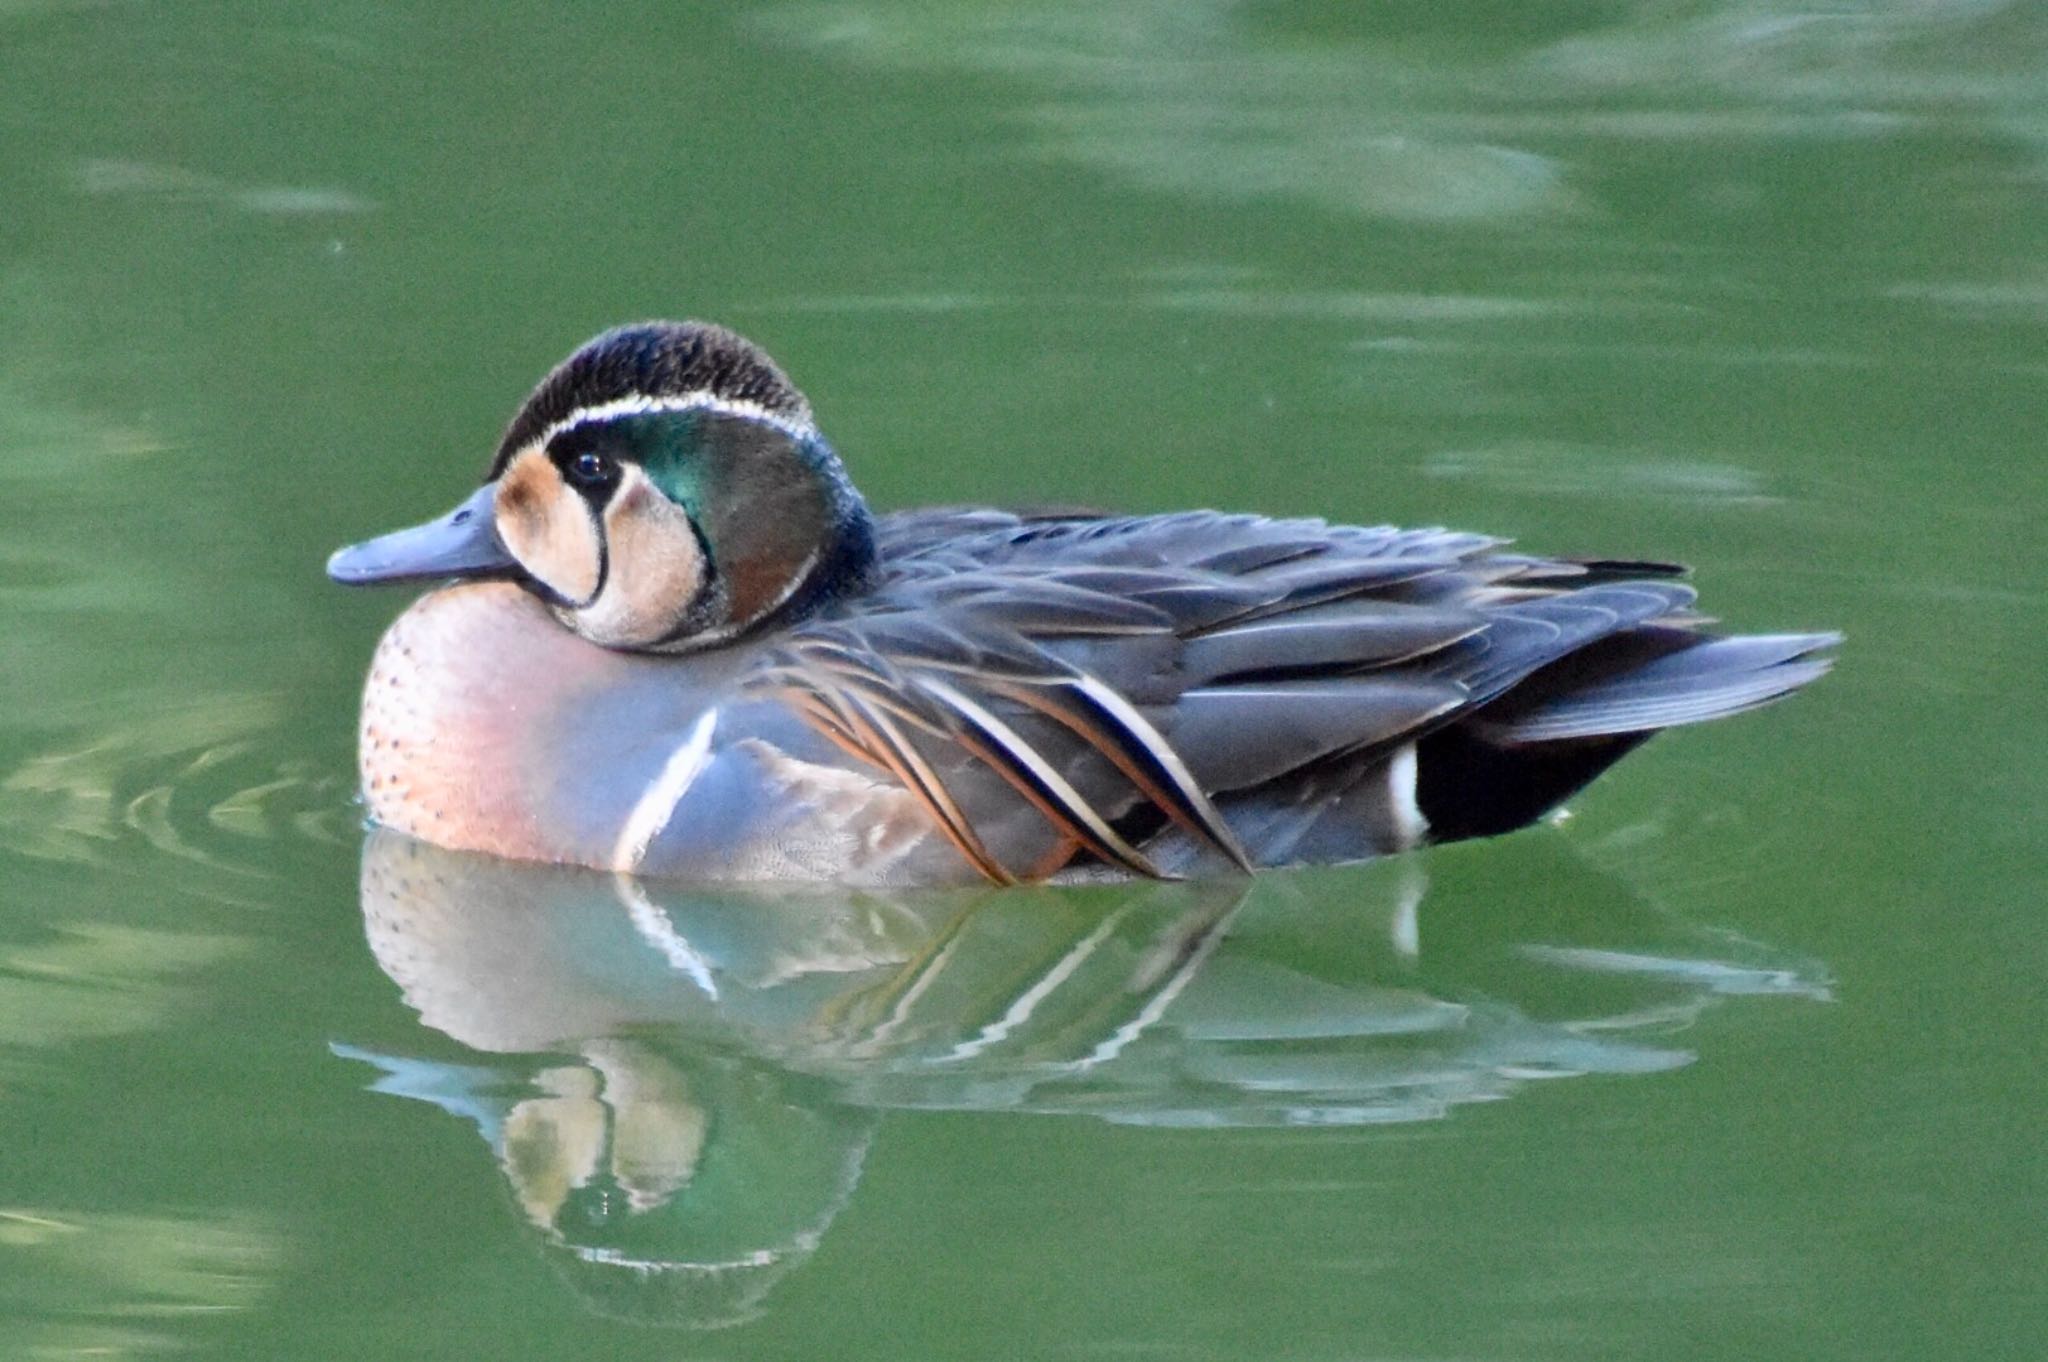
(639, 403)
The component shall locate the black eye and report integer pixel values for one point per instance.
(589, 468)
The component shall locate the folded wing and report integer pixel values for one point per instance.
(1153, 694)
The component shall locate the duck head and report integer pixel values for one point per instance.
(664, 489)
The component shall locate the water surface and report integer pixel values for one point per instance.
(1741, 1060)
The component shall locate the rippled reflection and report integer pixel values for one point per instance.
(136, 851)
(197, 780)
(680, 1084)
(114, 1285)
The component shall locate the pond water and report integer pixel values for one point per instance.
(1742, 1060)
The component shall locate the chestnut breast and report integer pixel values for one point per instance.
(487, 726)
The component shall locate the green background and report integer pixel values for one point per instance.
(1756, 286)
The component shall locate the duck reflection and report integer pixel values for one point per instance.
(681, 1083)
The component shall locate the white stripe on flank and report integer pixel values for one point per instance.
(1409, 824)
(1026, 756)
(658, 804)
(1163, 752)
(639, 403)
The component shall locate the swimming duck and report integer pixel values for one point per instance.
(677, 642)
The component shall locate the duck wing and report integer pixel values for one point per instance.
(1150, 693)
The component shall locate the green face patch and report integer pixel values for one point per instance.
(663, 443)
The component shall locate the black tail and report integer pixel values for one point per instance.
(1515, 759)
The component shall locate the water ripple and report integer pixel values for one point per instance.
(199, 783)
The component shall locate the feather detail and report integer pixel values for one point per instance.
(1004, 750)
(884, 744)
(1705, 679)
(1116, 728)
(1157, 689)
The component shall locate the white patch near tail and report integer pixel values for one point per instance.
(1409, 824)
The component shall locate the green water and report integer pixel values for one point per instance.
(1743, 1060)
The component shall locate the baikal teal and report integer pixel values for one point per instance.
(1735, 1056)
(684, 647)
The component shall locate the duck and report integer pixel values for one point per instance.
(668, 637)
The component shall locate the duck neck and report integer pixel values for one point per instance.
(786, 533)
(846, 561)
